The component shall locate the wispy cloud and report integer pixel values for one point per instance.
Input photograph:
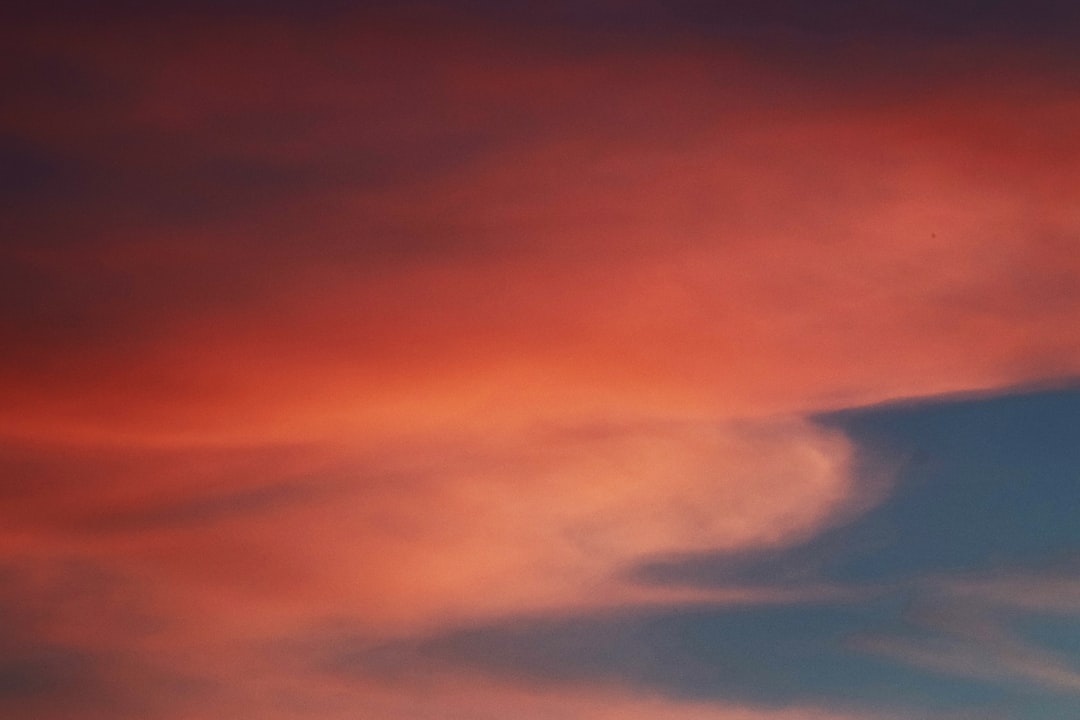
(313, 244)
(472, 526)
(966, 641)
(448, 318)
(1047, 591)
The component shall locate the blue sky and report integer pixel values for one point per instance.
(983, 490)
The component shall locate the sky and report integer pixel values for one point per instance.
(657, 359)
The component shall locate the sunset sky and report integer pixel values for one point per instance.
(523, 360)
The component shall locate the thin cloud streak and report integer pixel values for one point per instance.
(969, 643)
(1037, 592)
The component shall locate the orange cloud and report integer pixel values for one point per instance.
(191, 566)
(466, 528)
(396, 325)
(472, 698)
(666, 234)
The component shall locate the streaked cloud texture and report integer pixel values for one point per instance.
(539, 360)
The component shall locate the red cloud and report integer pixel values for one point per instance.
(528, 314)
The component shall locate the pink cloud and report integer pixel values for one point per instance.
(460, 528)
(392, 324)
(976, 645)
(644, 233)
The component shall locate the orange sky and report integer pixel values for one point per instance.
(415, 323)
(679, 231)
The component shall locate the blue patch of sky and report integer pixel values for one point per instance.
(979, 485)
(987, 485)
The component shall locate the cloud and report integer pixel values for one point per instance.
(469, 700)
(43, 676)
(176, 569)
(466, 525)
(429, 320)
(112, 639)
(1055, 593)
(966, 641)
(71, 626)
(993, 626)
(360, 241)
(766, 659)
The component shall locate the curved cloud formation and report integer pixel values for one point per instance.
(437, 314)
(477, 526)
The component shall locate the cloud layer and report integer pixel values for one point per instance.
(492, 337)
(371, 228)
